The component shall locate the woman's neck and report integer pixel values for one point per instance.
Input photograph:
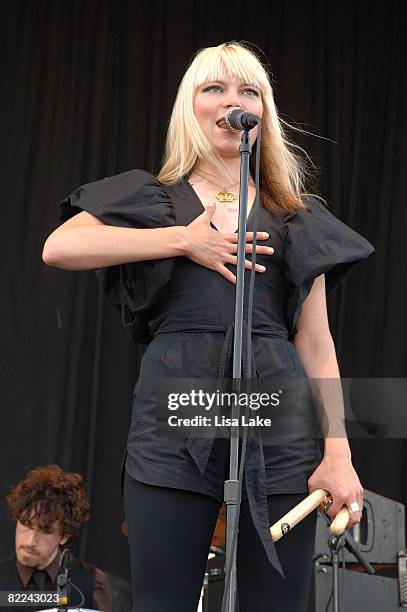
(212, 173)
(212, 170)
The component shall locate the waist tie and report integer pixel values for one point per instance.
(254, 469)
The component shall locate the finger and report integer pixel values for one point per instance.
(227, 274)
(259, 235)
(247, 264)
(249, 236)
(336, 505)
(209, 210)
(260, 249)
(352, 518)
(355, 517)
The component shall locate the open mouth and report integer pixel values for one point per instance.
(221, 123)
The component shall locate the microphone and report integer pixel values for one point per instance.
(237, 119)
(64, 568)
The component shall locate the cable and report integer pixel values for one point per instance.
(330, 598)
(253, 270)
(65, 562)
(228, 568)
(82, 601)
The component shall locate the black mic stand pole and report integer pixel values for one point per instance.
(231, 491)
(336, 544)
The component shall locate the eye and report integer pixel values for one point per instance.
(212, 88)
(251, 92)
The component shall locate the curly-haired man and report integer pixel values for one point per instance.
(50, 508)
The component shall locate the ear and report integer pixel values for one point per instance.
(63, 540)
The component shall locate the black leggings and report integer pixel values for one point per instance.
(170, 533)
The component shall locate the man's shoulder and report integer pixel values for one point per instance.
(81, 565)
(8, 561)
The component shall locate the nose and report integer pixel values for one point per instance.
(30, 538)
(233, 105)
(232, 99)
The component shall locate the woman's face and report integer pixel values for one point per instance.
(212, 100)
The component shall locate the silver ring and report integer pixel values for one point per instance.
(354, 507)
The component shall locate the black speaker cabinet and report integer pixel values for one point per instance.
(357, 591)
(380, 534)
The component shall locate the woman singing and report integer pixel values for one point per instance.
(164, 250)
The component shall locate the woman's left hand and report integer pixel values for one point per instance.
(337, 475)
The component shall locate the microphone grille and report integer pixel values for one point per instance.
(228, 115)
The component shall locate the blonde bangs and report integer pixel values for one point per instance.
(216, 63)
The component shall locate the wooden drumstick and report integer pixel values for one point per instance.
(340, 522)
(300, 511)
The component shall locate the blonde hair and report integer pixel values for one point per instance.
(282, 170)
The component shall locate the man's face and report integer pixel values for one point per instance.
(35, 548)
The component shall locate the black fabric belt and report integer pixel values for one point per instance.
(271, 333)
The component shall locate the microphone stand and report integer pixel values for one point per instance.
(231, 488)
(336, 544)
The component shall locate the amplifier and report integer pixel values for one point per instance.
(357, 591)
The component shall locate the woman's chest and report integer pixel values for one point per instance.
(226, 218)
(226, 215)
(188, 207)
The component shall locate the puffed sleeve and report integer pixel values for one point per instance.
(316, 243)
(131, 199)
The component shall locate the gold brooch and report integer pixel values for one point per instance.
(225, 196)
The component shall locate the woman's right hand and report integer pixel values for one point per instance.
(212, 249)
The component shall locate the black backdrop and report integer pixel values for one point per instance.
(87, 88)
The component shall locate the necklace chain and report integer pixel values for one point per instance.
(225, 196)
(214, 182)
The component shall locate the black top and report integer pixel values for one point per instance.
(185, 312)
